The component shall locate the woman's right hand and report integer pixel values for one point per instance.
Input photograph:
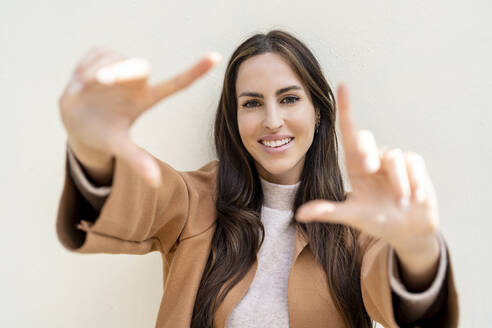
(105, 96)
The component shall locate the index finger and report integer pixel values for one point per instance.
(361, 154)
(348, 129)
(184, 79)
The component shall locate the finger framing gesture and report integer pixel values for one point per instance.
(392, 194)
(105, 96)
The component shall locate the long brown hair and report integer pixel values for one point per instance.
(237, 240)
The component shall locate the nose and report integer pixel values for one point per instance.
(273, 118)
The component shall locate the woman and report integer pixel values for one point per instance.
(277, 156)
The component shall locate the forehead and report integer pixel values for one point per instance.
(265, 73)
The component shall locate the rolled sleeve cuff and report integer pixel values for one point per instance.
(96, 195)
(415, 304)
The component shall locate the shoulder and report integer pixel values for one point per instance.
(204, 178)
(211, 166)
(206, 169)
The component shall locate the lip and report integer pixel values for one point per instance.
(278, 150)
(275, 137)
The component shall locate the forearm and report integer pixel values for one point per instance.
(419, 263)
(99, 167)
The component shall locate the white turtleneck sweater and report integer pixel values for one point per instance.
(267, 294)
(265, 302)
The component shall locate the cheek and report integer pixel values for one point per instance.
(304, 123)
(247, 123)
(246, 129)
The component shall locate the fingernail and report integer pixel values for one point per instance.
(371, 164)
(215, 56)
(105, 76)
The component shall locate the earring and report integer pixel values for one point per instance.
(318, 120)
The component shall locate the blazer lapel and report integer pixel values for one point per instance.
(299, 244)
(309, 298)
(234, 296)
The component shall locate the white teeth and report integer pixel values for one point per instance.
(276, 143)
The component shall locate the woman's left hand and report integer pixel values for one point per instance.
(392, 194)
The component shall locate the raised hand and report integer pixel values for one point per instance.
(105, 96)
(392, 194)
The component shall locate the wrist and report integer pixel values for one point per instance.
(417, 245)
(98, 166)
(419, 262)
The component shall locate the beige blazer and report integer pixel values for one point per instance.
(178, 220)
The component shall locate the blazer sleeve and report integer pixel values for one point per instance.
(131, 216)
(411, 306)
(94, 194)
(388, 307)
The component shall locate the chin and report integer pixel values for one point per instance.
(278, 169)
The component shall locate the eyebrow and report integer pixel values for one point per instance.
(279, 92)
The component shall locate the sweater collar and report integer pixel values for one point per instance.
(277, 196)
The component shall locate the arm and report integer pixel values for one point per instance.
(94, 194)
(383, 302)
(104, 97)
(410, 305)
(134, 217)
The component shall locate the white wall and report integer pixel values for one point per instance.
(420, 77)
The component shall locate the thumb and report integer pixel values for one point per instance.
(124, 71)
(139, 160)
(326, 211)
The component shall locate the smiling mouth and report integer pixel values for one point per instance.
(276, 143)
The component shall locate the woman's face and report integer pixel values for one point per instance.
(274, 108)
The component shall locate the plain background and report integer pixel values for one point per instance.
(419, 75)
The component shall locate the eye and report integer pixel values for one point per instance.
(291, 99)
(247, 104)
